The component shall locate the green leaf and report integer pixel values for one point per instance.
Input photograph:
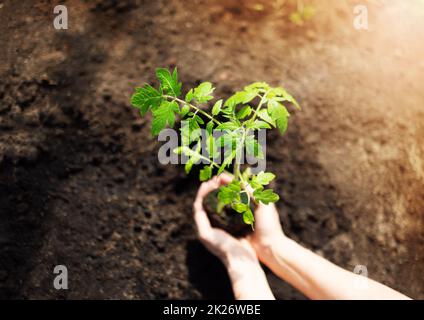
(169, 83)
(257, 86)
(279, 114)
(211, 147)
(253, 148)
(193, 155)
(188, 166)
(264, 178)
(217, 107)
(282, 124)
(250, 95)
(247, 173)
(189, 96)
(190, 131)
(235, 99)
(229, 125)
(290, 98)
(228, 159)
(184, 110)
(229, 192)
(265, 196)
(280, 94)
(258, 124)
(263, 114)
(202, 93)
(244, 112)
(240, 207)
(248, 217)
(209, 127)
(164, 115)
(205, 173)
(198, 119)
(145, 98)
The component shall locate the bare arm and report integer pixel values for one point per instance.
(314, 276)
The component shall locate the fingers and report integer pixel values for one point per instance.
(200, 217)
(225, 178)
(209, 186)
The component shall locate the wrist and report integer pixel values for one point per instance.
(248, 280)
(272, 246)
(235, 262)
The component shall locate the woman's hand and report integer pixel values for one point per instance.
(268, 231)
(239, 257)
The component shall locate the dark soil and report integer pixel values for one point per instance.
(228, 219)
(80, 183)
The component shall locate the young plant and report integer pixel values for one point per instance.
(258, 106)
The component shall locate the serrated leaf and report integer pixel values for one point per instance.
(203, 92)
(190, 131)
(292, 100)
(217, 107)
(228, 126)
(228, 159)
(189, 96)
(258, 124)
(240, 207)
(264, 178)
(263, 114)
(265, 196)
(169, 83)
(229, 192)
(257, 85)
(250, 95)
(244, 112)
(198, 119)
(253, 148)
(164, 115)
(205, 173)
(209, 127)
(145, 98)
(282, 95)
(282, 124)
(193, 155)
(279, 114)
(248, 217)
(211, 146)
(184, 110)
(235, 99)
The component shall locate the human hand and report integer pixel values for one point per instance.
(239, 257)
(268, 230)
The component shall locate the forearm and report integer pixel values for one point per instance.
(248, 281)
(318, 278)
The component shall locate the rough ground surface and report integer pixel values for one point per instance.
(80, 183)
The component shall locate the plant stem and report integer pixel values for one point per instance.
(210, 161)
(194, 107)
(259, 105)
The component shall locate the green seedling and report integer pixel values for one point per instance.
(258, 106)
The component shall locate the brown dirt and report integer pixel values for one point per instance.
(228, 219)
(80, 183)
